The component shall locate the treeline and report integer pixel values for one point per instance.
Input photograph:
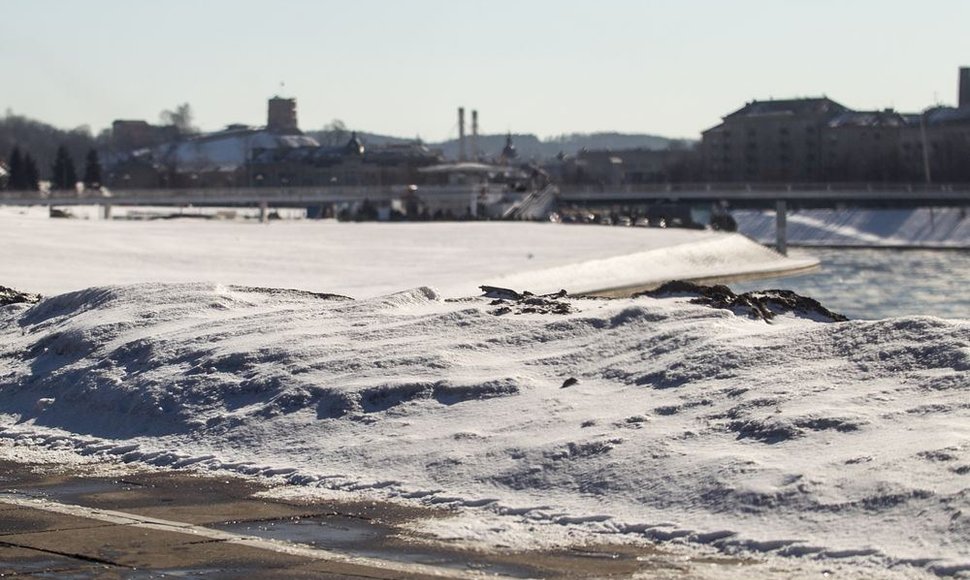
(23, 174)
(35, 152)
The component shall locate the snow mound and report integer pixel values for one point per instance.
(648, 416)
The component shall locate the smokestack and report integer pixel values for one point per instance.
(474, 135)
(964, 98)
(461, 133)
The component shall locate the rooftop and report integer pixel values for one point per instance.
(806, 106)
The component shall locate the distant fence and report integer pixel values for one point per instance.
(765, 195)
(751, 195)
(289, 196)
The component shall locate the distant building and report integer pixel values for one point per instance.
(862, 146)
(819, 140)
(276, 155)
(623, 167)
(964, 97)
(509, 154)
(770, 141)
(281, 116)
(348, 164)
(945, 132)
(221, 158)
(131, 135)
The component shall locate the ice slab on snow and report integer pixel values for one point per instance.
(672, 421)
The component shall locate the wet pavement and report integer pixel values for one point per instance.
(157, 524)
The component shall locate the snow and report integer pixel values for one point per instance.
(842, 446)
(925, 227)
(688, 424)
(365, 259)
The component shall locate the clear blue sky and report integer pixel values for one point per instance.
(402, 67)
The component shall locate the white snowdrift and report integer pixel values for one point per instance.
(368, 259)
(823, 441)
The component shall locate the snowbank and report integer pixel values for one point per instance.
(926, 227)
(829, 441)
(367, 259)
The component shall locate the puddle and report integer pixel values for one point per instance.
(362, 538)
(49, 568)
(76, 488)
(190, 573)
(331, 533)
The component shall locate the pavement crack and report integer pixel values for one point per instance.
(55, 530)
(81, 557)
(207, 541)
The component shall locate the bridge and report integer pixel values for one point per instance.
(733, 195)
(225, 196)
(767, 195)
(455, 197)
(782, 198)
(778, 197)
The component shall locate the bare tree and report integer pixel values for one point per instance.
(181, 117)
(336, 133)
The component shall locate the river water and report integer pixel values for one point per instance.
(882, 283)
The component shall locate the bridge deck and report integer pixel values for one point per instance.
(734, 195)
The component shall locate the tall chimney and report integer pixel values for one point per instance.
(461, 133)
(964, 99)
(474, 135)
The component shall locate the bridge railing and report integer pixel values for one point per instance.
(236, 195)
(773, 187)
(106, 195)
(955, 193)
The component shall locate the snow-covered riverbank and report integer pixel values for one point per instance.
(50, 256)
(842, 442)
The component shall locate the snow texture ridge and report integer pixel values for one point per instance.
(648, 416)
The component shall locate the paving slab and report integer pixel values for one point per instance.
(147, 523)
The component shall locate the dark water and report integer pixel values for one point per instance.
(882, 283)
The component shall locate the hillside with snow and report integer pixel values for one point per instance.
(838, 442)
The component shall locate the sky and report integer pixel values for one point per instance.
(403, 67)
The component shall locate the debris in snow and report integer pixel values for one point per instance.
(526, 302)
(760, 304)
(500, 293)
(288, 292)
(11, 296)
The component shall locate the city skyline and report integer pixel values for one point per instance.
(671, 69)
